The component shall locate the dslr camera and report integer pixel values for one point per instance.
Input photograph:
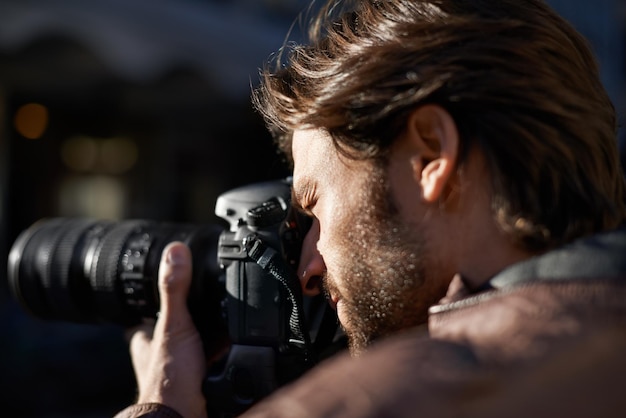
(244, 292)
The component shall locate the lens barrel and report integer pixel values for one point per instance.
(84, 270)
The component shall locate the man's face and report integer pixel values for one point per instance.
(375, 261)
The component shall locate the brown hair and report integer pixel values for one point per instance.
(518, 80)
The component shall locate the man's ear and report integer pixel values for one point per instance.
(435, 140)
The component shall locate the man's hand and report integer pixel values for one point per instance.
(168, 359)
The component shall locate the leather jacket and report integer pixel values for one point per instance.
(544, 337)
(523, 309)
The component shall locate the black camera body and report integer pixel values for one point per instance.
(244, 288)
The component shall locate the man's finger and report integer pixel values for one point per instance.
(174, 283)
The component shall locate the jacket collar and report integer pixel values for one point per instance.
(598, 256)
(601, 256)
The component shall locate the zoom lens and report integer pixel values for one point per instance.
(85, 270)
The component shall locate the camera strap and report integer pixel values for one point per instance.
(271, 261)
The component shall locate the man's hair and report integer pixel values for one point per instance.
(518, 80)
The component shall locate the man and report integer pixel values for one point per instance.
(454, 149)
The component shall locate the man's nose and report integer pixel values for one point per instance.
(311, 268)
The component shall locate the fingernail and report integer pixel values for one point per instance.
(176, 256)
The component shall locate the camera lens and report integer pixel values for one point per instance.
(85, 270)
(45, 272)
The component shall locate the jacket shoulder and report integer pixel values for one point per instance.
(522, 322)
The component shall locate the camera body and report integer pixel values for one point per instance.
(244, 291)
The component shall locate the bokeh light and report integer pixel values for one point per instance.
(110, 156)
(80, 153)
(101, 197)
(118, 155)
(31, 120)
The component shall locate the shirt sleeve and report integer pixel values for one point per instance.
(148, 410)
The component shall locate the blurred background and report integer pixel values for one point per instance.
(141, 109)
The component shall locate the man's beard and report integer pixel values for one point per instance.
(385, 287)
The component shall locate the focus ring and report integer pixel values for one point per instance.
(105, 271)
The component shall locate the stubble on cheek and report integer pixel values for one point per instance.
(382, 293)
(378, 274)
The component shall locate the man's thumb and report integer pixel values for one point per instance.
(174, 279)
